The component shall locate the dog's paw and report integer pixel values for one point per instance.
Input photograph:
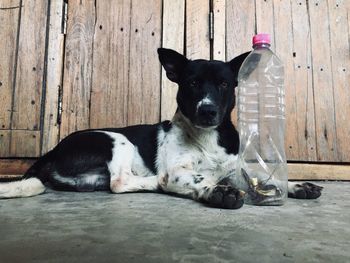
(305, 191)
(225, 196)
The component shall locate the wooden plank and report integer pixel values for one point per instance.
(322, 81)
(303, 86)
(173, 37)
(8, 34)
(144, 73)
(219, 43)
(53, 76)
(5, 139)
(14, 166)
(30, 66)
(265, 18)
(109, 92)
(240, 28)
(25, 143)
(297, 171)
(284, 50)
(197, 29)
(77, 66)
(340, 55)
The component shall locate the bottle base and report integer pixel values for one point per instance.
(263, 193)
(271, 197)
(266, 202)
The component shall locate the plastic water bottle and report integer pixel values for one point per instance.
(262, 167)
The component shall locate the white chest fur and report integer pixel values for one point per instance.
(185, 147)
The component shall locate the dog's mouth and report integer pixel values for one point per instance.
(206, 123)
(200, 122)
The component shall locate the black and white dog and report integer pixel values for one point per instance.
(193, 155)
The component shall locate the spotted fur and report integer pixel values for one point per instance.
(194, 154)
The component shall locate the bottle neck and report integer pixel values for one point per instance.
(261, 45)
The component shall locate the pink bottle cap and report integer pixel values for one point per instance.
(261, 39)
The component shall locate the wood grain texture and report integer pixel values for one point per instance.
(322, 81)
(112, 76)
(265, 18)
(197, 29)
(109, 94)
(25, 143)
(30, 66)
(303, 85)
(5, 140)
(284, 50)
(14, 166)
(240, 28)
(296, 171)
(78, 66)
(173, 37)
(144, 72)
(54, 75)
(340, 59)
(8, 34)
(219, 43)
(299, 171)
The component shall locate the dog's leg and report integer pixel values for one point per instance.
(131, 183)
(122, 177)
(188, 182)
(123, 181)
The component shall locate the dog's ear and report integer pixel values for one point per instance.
(172, 62)
(236, 63)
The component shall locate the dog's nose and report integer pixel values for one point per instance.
(209, 111)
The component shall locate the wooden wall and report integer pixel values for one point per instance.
(113, 73)
(22, 66)
(105, 65)
(312, 39)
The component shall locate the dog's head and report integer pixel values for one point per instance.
(206, 88)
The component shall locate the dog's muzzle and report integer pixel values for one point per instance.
(207, 116)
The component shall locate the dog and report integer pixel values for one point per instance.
(194, 155)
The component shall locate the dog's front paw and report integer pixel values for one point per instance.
(225, 196)
(305, 191)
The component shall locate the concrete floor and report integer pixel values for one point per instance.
(147, 227)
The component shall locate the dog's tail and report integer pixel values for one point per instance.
(32, 182)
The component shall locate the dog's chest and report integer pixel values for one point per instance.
(215, 163)
(199, 152)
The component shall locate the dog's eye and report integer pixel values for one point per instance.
(223, 85)
(193, 83)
